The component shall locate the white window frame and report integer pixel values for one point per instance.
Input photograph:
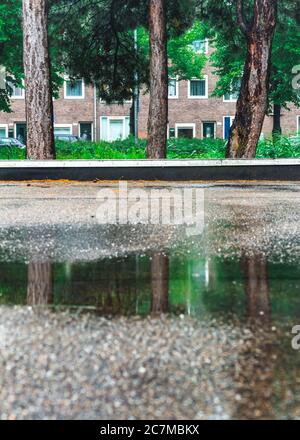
(74, 97)
(64, 126)
(205, 77)
(5, 126)
(231, 120)
(113, 118)
(205, 52)
(231, 99)
(177, 88)
(298, 124)
(14, 97)
(185, 125)
(79, 129)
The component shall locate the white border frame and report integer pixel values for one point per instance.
(79, 129)
(231, 118)
(205, 77)
(185, 125)
(5, 126)
(74, 97)
(63, 126)
(113, 118)
(177, 88)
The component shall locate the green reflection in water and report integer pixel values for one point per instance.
(246, 288)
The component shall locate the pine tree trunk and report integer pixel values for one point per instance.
(253, 100)
(258, 305)
(39, 104)
(277, 131)
(158, 108)
(160, 283)
(39, 284)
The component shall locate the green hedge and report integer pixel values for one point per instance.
(177, 149)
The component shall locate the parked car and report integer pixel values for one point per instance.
(11, 142)
(66, 138)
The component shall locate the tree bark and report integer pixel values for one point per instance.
(160, 283)
(253, 100)
(258, 303)
(158, 107)
(39, 284)
(39, 104)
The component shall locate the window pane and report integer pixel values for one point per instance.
(199, 46)
(172, 88)
(127, 127)
(104, 129)
(209, 130)
(62, 130)
(187, 132)
(2, 132)
(198, 87)
(74, 88)
(115, 129)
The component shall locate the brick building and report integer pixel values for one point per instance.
(192, 112)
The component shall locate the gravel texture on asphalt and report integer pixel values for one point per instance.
(79, 366)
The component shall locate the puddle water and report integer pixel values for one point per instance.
(238, 281)
(245, 288)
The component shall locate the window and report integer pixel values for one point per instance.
(114, 128)
(16, 92)
(21, 131)
(197, 88)
(228, 120)
(209, 130)
(187, 131)
(173, 88)
(62, 129)
(85, 131)
(74, 89)
(233, 94)
(200, 46)
(298, 125)
(3, 130)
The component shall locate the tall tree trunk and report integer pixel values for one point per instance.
(160, 283)
(277, 131)
(253, 100)
(39, 104)
(39, 284)
(258, 303)
(158, 108)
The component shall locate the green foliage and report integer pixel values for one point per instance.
(10, 46)
(230, 45)
(284, 147)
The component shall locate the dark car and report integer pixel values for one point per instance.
(66, 138)
(11, 142)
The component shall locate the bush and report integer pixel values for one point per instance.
(284, 147)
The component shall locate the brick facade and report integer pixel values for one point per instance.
(184, 112)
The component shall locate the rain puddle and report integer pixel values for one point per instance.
(216, 309)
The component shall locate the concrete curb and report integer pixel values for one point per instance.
(180, 170)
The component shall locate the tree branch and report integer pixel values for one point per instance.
(240, 14)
